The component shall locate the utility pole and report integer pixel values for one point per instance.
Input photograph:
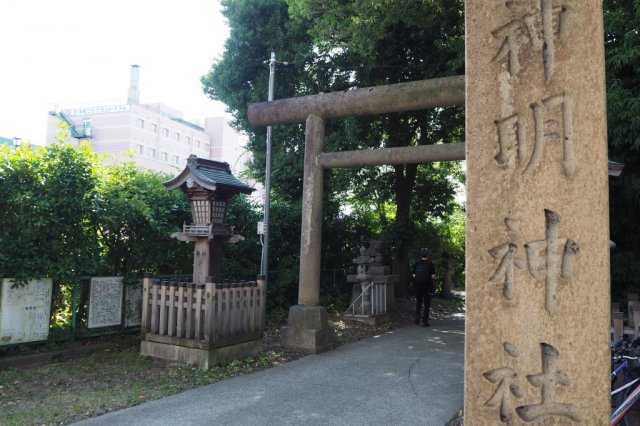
(267, 180)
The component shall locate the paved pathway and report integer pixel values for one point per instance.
(412, 376)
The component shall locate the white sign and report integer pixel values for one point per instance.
(105, 302)
(24, 311)
(98, 110)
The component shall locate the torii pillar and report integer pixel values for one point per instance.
(308, 327)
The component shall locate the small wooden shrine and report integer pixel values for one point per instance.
(205, 320)
(210, 186)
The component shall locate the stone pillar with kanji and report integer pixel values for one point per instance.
(537, 279)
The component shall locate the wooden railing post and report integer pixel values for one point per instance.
(172, 306)
(146, 289)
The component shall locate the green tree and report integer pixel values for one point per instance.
(242, 260)
(47, 206)
(396, 43)
(64, 214)
(622, 49)
(333, 46)
(136, 217)
(240, 77)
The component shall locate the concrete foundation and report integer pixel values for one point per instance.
(308, 329)
(367, 319)
(202, 358)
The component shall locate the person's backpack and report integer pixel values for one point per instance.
(422, 273)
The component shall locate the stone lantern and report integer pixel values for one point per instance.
(209, 185)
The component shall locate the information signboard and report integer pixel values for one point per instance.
(24, 311)
(133, 305)
(105, 302)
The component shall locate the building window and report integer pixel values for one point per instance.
(154, 128)
(141, 123)
(165, 132)
(176, 136)
(176, 159)
(86, 127)
(198, 143)
(188, 140)
(152, 152)
(139, 149)
(206, 147)
(164, 156)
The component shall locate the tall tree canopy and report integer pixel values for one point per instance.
(337, 45)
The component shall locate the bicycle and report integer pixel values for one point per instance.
(624, 397)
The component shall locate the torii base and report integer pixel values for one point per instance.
(308, 329)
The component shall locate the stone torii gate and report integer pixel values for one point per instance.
(307, 327)
(537, 254)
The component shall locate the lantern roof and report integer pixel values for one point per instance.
(209, 174)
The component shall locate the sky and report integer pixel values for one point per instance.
(78, 52)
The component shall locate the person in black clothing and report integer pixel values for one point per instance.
(424, 274)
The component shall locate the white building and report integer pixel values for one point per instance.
(158, 135)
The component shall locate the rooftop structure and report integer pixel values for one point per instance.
(159, 136)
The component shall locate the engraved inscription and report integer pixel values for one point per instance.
(512, 144)
(542, 259)
(547, 381)
(511, 349)
(504, 378)
(545, 260)
(553, 123)
(507, 254)
(532, 28)
(504, 273)
(516, 38)
(548, 131)
(552, 25)
(571, 250)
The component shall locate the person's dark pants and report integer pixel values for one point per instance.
(423, 295)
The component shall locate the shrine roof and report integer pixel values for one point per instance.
(209, 174)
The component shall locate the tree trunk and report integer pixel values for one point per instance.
(405, 179)
(447, 277)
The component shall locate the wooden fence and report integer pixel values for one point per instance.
(204, 316)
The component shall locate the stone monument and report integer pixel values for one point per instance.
(537, 332)
(373, 292)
